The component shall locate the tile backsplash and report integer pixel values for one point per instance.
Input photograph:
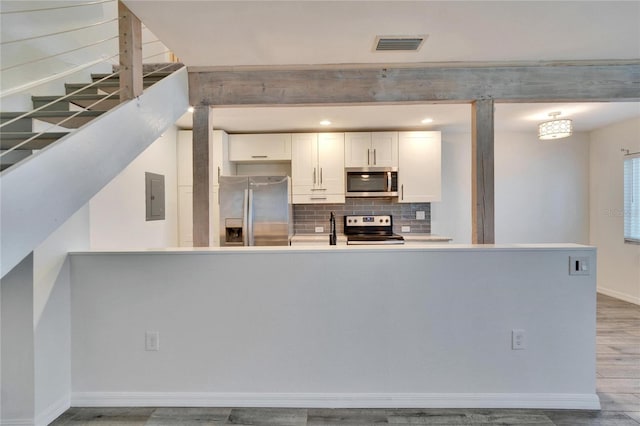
(307, 216)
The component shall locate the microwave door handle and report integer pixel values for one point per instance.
(389, 181)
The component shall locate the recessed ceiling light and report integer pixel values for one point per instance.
(325, 122)
(427, 121)
(191, 109)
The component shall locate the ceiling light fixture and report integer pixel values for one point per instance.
(555, 128)
(427, 121)
(325, 122)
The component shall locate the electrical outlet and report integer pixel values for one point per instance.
(319, 228)
(518, 339)
(152, 341)
(406, 229)
(579, 265)
(420, 215)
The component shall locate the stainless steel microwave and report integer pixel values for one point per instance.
(371, 181)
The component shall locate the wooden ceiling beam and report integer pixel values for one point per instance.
(581, 82)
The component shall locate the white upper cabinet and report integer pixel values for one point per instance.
(260, 147)
(317, 168)
(371, 149)
(419, 167)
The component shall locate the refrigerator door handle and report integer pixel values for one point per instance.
(245, 218)
(250, 237)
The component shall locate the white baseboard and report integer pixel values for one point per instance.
(337, 400)
(53, 411)
(619, 295)
(17, 422)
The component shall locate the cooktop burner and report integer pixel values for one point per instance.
(374, 229)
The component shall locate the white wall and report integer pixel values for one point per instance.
(17, 374)
(618, 263)
(451, 217)
(541, 189)
(51, 316)
(118, 215)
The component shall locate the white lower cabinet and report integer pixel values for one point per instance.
(317, 168)
(419, 167)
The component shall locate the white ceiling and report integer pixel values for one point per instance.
(282, 33)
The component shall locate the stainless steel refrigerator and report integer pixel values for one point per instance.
(255, 211)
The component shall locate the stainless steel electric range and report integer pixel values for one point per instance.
(373, 229)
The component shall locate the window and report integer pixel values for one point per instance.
(632, 198)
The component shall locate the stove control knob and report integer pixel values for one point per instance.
(380, 220)
(387, 220)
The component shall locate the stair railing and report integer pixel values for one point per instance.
(108, 57)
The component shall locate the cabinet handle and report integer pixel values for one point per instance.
(218, 171)
(375, 161)
(402, 192)
(320, 175)
(314, 175)
(368, 156)
(318, 198)
(259, 156)
(318, 189)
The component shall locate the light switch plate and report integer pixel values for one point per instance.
(406, 229)
(579, 265)
(319, 228)
(420, 215)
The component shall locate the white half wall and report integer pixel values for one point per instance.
(118, 219)
(335, 326)
(618, 263)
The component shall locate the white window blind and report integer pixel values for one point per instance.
(632, 198)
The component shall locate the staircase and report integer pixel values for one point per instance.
(42, 188)
(61, 116)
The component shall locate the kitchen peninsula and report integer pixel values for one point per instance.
(415, 325)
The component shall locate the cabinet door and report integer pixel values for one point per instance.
(419, 161)
(331, 162)
(185, 216)
(384, 146)
(260, 147)
(304, 162)
(357, 149)
(185, 157)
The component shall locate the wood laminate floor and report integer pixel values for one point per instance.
(618, 386)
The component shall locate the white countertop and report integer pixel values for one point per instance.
(342, 247)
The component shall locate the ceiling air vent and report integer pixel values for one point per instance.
(399, 43)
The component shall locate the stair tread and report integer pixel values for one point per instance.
(105, 83)
(76, 96)
(158, 74)
(26, 135)
(37, 114)
(10, 139)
